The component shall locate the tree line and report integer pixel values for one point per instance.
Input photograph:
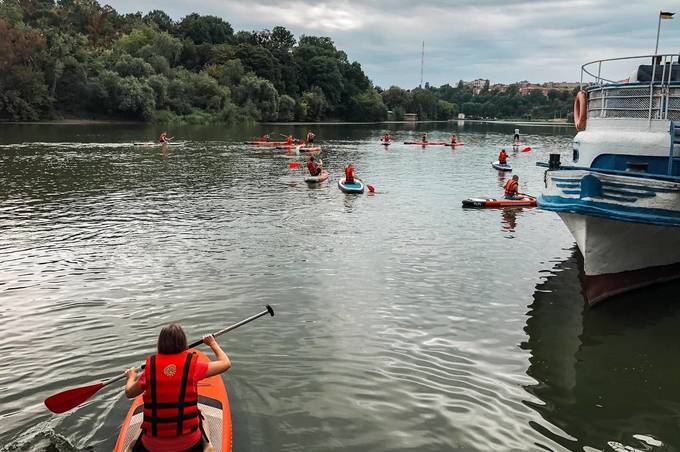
(77, 58)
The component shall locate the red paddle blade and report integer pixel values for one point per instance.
(526, 149)
(64, 401)
(371, 188)
(293, 165)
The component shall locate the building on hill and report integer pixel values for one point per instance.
(498, 88)
(526, 88)
(477, 85)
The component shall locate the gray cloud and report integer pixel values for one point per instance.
(502, 40)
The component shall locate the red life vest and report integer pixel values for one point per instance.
(310, 137)
(511, 187)
(164, 137)
(349, 177)
(170, 396)
(289, 140)
(502, 158)
(313, 169)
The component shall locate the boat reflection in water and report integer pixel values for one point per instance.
(606, 377)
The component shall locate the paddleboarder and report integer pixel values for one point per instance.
(511, 188)
(314, 169)
(503, 157)
(169, 386)
(164, 138)
(386, 138)
(515, 139)
(289, 139)
(350, 175)
(310, 137)
(423, 139)
(454, 140)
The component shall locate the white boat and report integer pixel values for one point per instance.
(620, 195)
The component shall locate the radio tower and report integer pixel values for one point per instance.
(422, 64)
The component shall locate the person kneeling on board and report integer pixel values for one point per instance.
(350, 175)
(503, 157)
(314, 169)
(169, 386)
(511, 188)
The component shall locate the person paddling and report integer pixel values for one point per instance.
(454, 140)
(172, 422)
(310, 137)
(423, 139)
(289, 139)
(350, 175)
(511, 188)
(386, 138)
(515, 139)
(164, 138)
(314, 169)
(503, 157)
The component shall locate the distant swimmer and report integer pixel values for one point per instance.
(515, 139)
(310, 137)
(314, 169)
(512, 188)
(350, 175)
(503, 157)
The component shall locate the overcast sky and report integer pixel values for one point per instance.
(502, 40)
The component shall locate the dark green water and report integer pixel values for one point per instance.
(403, 321)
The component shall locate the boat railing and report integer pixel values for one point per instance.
(652, 91)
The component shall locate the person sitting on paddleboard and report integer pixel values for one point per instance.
(314, 169)
(310, 137)
(350, 175)
(515, 139)
(289, 140)
(164, 138)
(169, 385)
(454, 140)
(386, 138)
(512, 188)
(503, 157)
(423, 139)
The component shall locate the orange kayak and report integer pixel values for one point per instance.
(526, 201)
(213, 403)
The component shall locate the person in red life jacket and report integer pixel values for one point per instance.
(314, 169)
(289, 140)
(386, 138)
(164, 138)
(350, 175)
(423, 139)
(512, 188)
(172, 422)
(454, 140)
(310, 137)
(503, 157)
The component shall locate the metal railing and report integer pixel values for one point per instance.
(658, 98)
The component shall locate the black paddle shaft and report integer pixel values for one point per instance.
(269, 310)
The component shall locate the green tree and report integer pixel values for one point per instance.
(205, 29)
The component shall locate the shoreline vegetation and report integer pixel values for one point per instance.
(79, 59)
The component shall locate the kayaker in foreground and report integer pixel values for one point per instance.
(511, 188)
(172, 422)
(314, 169)
(310, 137)
(503, 157)
(350, 175)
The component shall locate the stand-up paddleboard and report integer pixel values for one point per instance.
(525, 201)
(317, 179)
(356, 188)
(385, 143)
(310, 149)
(500, 167)
(271, 143)
(212, 402)
(157, 143)
(433, 143)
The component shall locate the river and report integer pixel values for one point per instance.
(403, 322)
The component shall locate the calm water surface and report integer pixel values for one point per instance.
(403, 321)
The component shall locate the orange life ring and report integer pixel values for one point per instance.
(580, 113)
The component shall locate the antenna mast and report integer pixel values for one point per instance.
(422, 64)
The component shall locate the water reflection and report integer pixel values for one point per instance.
(604, 375)
(509, 218)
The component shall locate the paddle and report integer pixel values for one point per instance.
(71, 398)
(527, 149)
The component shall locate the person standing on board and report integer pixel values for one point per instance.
(169, 385)
(515, 139)
(423, 139)
(350, 175)
(503, 157)
(314, 169)
(512, 188)
(310, 137)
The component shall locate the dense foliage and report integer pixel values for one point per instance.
(78, 58)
